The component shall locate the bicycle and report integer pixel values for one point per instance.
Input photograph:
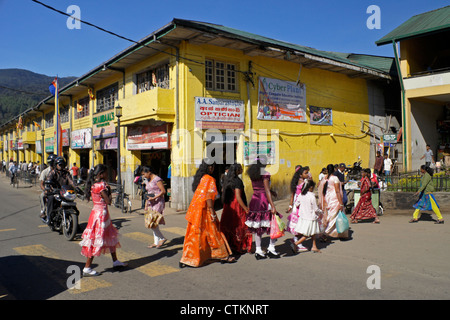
(122, 200)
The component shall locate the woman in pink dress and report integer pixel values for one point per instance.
(155, 201)
(300, 175)
(100, 235)
(261, 208)
(330, 202)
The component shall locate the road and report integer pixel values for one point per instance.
(392, 260)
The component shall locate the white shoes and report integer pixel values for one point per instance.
(119, 264)
(89, 272)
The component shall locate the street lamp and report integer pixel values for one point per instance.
(118, 115)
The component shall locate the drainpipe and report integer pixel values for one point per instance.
(404, 138)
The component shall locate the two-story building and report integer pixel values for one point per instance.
(192, 90)
(422, 51)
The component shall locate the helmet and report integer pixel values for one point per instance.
(51, 160)
(60, 161)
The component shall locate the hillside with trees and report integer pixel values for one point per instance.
(22, 89)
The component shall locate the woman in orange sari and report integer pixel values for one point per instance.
(203, 240)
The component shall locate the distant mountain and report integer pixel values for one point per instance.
(22, 89)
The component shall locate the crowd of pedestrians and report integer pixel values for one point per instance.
(313, 213)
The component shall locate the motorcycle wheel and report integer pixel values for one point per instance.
(71, 226)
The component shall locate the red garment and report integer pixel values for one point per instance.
(364, 209)
(75, 171)
(100, 235)
(233, 226)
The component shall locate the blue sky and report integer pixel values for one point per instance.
(35, 38)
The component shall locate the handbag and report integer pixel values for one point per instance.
(342, 223)
(275, 230)
(152, 219)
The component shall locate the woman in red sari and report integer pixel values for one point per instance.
(234, 213)
(364, 209)
(203, 240)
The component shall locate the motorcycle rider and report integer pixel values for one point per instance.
(42, 178)
(58, 177)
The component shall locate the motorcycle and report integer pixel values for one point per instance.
(64, 216)
(354, 173)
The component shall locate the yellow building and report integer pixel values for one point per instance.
(192, 90)
(422, 51)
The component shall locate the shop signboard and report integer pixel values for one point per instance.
(147, 137)
(281, 100)
(103, 125)
(320, 116)
(49, 145)
(65, 138)
(38, 147)
(81, 139)
(211, 113)
(252, 150)
(390, 138)
(106, 144)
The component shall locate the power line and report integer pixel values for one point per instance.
(113, 33)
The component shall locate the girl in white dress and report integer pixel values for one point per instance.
(309, 217)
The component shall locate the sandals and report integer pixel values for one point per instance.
(161, 243)
(229, 259)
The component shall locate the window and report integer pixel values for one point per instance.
(64, 114)
(150, 79)
(49, 119)
(82, 108)
(107, 97)
(220, 76)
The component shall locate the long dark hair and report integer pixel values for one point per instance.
(308, 184)
(330, 170)
(201, 171)
(427, 169)
(254, 171)
(294, 181)
(100, 168)
(146, 169)
(231, 182)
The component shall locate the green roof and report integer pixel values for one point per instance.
(429, 22)
(378, 63)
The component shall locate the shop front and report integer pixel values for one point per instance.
(105, 135)
(151, 146)
(81, 144)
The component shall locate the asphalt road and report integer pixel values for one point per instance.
(394, 260)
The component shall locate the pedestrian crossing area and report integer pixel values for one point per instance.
(148, 262)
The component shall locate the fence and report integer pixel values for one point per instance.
(410, 182)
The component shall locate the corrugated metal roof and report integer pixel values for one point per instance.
(428, 22)
(383, 64)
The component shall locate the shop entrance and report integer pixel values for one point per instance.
(159, 160)
(224, 152)
(110, 160)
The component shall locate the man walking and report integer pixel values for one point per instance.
(428, 155)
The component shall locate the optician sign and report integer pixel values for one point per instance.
(211, 113)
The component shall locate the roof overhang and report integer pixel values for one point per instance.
(178, 30)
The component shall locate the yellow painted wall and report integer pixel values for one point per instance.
(346, 96)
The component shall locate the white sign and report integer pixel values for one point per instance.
(219, 113)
